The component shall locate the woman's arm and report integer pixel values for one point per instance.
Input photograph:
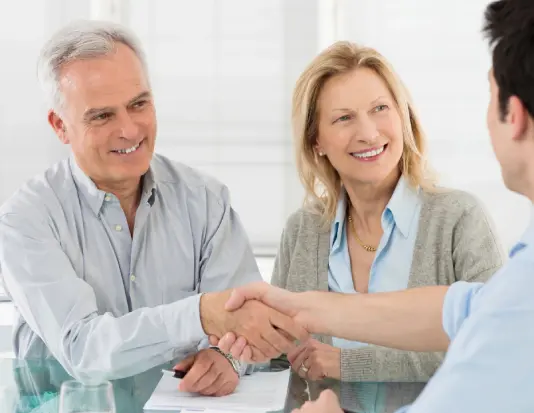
(375, 363)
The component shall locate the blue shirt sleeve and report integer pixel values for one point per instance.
(489, 366)
(457, 305)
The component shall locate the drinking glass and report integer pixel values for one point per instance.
(76, 397)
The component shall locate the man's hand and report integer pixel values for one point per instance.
(236, 346)
(277, 298)
(314, 360)
(303, 308)
(326, 403)
(268, 332)
(208, 373)
(291, 304)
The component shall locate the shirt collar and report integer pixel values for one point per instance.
(402, 206)
(95, 197)
(339, 221)
(527, 238)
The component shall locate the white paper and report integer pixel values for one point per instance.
(258, 392)
(204, 411)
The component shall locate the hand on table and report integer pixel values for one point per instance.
(314, 360)
(208, 373)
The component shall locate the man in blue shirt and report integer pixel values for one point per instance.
(487, 330)
(117, 258)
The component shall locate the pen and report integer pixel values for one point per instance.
(177, 374)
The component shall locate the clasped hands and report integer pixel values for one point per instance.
(260, 322)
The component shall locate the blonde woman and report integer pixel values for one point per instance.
(373, 220)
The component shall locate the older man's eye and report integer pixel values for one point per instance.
(139, 104)
(102, 116)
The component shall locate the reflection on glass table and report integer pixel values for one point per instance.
(34, 385)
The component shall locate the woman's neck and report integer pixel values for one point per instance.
(368, 201)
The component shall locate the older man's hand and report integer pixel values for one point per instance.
(208, 373)
(293, 305)
(326, 403)
(268, 332)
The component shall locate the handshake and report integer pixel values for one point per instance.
(256, 322)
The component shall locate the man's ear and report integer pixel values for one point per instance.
(59, 126)
(517, 118)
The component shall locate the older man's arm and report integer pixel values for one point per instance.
(61, 308)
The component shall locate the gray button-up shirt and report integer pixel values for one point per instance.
(105, 304)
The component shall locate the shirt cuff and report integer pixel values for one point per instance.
(457, 305)
(182, 321)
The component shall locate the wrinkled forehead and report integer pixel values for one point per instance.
(104, 81)
(356, 89)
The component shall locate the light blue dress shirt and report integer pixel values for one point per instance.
(489, 366)
(105, 304)
(390, 270)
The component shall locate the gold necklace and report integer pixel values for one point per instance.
(368, 248)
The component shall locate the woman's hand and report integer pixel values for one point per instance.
(314, 360)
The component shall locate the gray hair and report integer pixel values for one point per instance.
(85, 39)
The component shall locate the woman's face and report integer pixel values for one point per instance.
(360, 128)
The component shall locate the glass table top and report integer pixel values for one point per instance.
(33, 386)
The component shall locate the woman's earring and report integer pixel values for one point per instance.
(321, 153)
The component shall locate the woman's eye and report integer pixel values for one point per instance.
(380, 108)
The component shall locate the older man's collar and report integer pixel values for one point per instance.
(96, 197)
(149, 186)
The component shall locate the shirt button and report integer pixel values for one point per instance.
(118, 227)
(107, 198)
(132, 277)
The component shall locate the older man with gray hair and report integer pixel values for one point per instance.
(119, 260)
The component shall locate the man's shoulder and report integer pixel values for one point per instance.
(179, 176)
(42, 193)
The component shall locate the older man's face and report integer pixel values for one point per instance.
(108, 116)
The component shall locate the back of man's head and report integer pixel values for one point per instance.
(509, 27)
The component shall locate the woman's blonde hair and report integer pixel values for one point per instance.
(321, 181)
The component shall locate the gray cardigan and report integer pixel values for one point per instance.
(455, 241)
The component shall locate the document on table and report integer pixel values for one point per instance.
(258, 392)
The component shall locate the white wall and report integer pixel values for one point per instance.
(438, 50)
(223, 74)
(27, 145)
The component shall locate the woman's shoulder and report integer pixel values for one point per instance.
(305, 219)
(452, 202)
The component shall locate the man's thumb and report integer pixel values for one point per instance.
(185, 364)
(236, 301)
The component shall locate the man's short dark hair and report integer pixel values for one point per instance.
(509, 27)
